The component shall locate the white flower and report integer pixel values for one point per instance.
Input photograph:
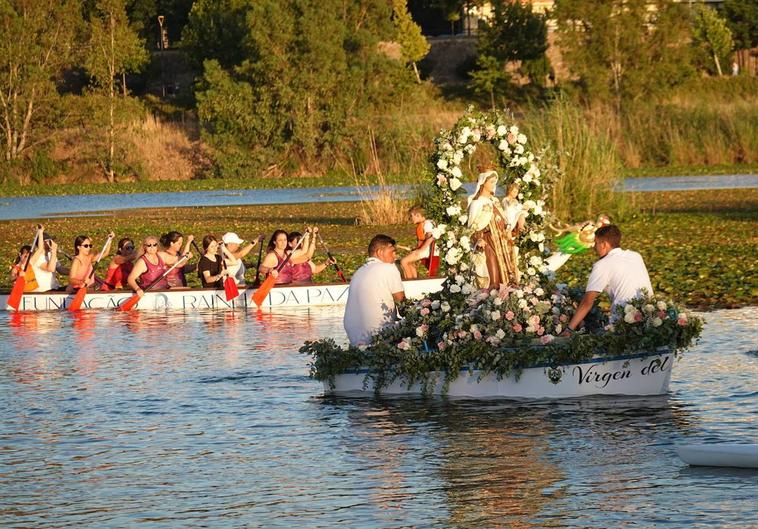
(537, 236)
(476, 136)
(497, 301)
(535, 260)
(521, 138)
(541, 246)
(629, 316)
(531, 271)
(445, 306)
(649, 308)
(457, 157)
(453, 210)
(455, 183)
(495, 315)
(463, 219)
(439, 231)
(519, 149)
(513, 129)
(455, 288)
(519, 294)
(527, 178)
(539, 292)
(629, 308)
(468, 288)
(435, 304)
(421, 330)
(465, 243)
(442, 163)
(446, 146)
(500, 334)
(657, 322)
(503, 145)
(456, 172)
(661, 305)
(522, 303)
(502, 131)
(453, 256)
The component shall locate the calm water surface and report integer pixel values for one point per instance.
(88, 205)
(209, 420)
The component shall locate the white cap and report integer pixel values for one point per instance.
(231, 238)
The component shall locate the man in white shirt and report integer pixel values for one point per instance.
(374, 289)
(619, 273)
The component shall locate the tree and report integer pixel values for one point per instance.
(35, 48)
(513, 33)
(624, 50)
(712, 36)
(742, 19)
(114, 49)
(408, 34)
(309, 77)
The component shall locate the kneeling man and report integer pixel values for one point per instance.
(374, 289)
(622, 274)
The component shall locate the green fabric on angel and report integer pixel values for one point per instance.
(570, 244)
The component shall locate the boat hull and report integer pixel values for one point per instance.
(720, 455)
(639, 374)
(200, 299)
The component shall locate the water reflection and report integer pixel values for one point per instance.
(208, 419)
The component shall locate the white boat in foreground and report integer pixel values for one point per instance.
(720, 455)
(639, 374)
(195, 299)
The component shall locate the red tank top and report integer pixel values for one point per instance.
(302, 273)
(153, 272)
(117, 276)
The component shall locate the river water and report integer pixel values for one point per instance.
(162, 420)
(83, 205)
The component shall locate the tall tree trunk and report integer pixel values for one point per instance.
(415, 70)
(111, 103)
(718, 65)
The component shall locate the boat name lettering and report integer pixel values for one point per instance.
(656, 365)
(601, 380)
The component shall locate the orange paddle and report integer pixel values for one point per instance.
(14, 300)
(76, 304)
(132, 301)
(270, 281)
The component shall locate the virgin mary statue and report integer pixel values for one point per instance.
(494, 258)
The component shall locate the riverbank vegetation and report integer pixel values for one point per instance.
(699, 246)
(252, 94)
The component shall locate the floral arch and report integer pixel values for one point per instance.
(516, 163)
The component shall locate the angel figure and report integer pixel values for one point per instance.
(578, 238)
(494, 258)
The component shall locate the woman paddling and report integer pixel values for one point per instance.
(81, 266)
(148, 268)
(209, 268)
(120, 266)
(303, 272)
(234, 264)
(277, 252)
(172, 244)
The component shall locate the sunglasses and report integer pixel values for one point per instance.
(86, 246)
(128, 247)
(151, 244)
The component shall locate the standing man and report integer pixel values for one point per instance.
(374, 289)
(620, 273)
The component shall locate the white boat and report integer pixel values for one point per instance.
(720, 455)
(638, 374)
(194, 299)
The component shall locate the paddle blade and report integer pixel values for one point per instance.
(76, 304)
(342, 276)
(263, 290)
(230, 287)
(14, 300)
(129, 303)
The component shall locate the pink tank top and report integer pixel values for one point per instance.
(153, 272)
(302, 273)
(175, 277)
(285, 274)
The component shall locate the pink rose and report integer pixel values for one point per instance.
(517, 327)
(534, 321)
(441, 180)
(540, 331)
(563, 318)
(637, 316)
(546, 339)
(509, 315)
(682, 320)
(477, 335)
(441, 346)
(424, 311)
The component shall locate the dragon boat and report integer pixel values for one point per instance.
(197, 299)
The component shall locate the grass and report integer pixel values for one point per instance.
(699, 246)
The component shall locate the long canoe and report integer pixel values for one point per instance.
(196, 299)
(636, 374)
(720, 455)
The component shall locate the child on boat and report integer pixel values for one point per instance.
(424, 243)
